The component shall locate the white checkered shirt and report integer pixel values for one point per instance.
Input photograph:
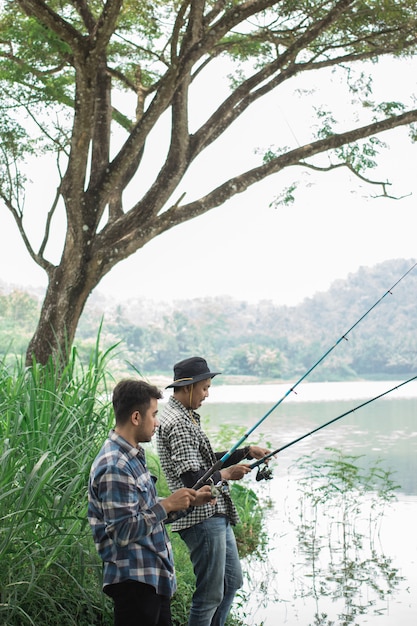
(184, 447)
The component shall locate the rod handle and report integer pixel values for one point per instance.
(202, 481)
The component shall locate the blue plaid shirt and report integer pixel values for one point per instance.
(126, 518)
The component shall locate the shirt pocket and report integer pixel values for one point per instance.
(144, 485)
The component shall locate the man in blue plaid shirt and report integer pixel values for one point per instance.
(127, 517)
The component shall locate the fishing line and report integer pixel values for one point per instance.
(268, 475)
(218, 465)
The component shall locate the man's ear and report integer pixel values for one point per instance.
(135, 418)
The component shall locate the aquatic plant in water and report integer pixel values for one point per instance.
(341, 507)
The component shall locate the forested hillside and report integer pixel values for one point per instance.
(241, 339)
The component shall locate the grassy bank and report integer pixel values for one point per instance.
(52, 424)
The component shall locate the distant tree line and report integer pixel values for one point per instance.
(261, 340)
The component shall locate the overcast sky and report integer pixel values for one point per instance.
(250, 250)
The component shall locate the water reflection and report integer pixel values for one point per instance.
(336, 557)
(338, 520)
(352, 560)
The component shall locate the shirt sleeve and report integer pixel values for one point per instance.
(189, 479)
(235, 457)
(184, 450)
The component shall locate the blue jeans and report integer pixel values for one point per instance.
(217, 569)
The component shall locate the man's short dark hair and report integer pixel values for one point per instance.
(131, 395)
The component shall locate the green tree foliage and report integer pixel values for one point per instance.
(88, 83)
(260, 340)
(268, 341)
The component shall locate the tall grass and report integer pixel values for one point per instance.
(53, 421)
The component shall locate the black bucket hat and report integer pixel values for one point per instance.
(190, 371)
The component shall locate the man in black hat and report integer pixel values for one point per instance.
(186, 455)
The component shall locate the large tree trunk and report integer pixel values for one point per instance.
(66, 295)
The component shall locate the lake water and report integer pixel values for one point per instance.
(326, 571)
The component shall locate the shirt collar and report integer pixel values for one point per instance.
(190, 414)
(125, 445)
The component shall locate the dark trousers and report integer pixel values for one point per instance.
(138, 604)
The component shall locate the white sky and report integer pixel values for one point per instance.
(247, 249)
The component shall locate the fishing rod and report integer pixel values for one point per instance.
(266, 473)
(218, 465)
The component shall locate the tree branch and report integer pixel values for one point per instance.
(365, 179)
(106, 24)
(85, 13)
(41, 11)
(178, 214)
(130, 232)
(37, 257)
(245, 95)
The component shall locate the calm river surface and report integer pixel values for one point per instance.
(321, 570)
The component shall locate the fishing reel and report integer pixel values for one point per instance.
(218, 488)
(264, 473)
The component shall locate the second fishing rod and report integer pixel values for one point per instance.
(219, 464)
(265, 473)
